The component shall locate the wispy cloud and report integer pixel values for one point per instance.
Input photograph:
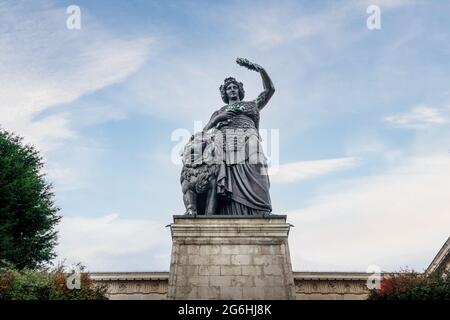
(63, 178)
(45, 65)
(390, 4)
(275, 25)
(393, 219)
(47, 133)
(418, 118)
(111, 243)
(301, 170)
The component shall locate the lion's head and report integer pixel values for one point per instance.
(203, 148)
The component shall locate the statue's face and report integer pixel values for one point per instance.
(232, 92)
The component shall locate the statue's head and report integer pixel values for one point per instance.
(232, 90)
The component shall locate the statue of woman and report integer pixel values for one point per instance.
(242, 180)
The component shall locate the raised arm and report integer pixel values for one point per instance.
(268, 92)
(269, 89)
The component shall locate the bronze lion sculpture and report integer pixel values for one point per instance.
(201, 158)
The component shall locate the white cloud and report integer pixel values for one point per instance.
(418, 118)
(390, 4)
(45, 65)
(111, 243)
(274, 25)
(47, 133)
(302, 170)
(89, 114)
(62, 177)
(277, 25)
(74, 166)
(392, 220)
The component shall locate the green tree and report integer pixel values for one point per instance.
(28, 214)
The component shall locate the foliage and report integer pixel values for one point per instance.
(45, 284)
(410, 285)
(27, 211)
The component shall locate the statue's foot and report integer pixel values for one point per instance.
(191, 212)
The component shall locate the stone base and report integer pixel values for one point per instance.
(230, 257)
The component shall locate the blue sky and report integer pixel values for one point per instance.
(362, 115)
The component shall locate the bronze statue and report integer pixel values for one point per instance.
(237, 181)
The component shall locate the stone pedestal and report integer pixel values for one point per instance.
(230, 257)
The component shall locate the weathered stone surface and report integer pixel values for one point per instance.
(264, 280)
(233, 249)
(240, 259)
(230, 293)
(220, 260)
(308, 285)
(252, 293)
(252, 270)
(220, 281)
(263, 259)
(208, 250)
(198, 281)
(242, 281)
(209, 270)
(230, 270)
(227, 257)
(211, 292)
(196, 259)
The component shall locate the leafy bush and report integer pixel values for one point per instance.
(410, 285)
(45, 284)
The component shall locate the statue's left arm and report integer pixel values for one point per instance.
(269, 89)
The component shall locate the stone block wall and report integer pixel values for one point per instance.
(230, 258)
